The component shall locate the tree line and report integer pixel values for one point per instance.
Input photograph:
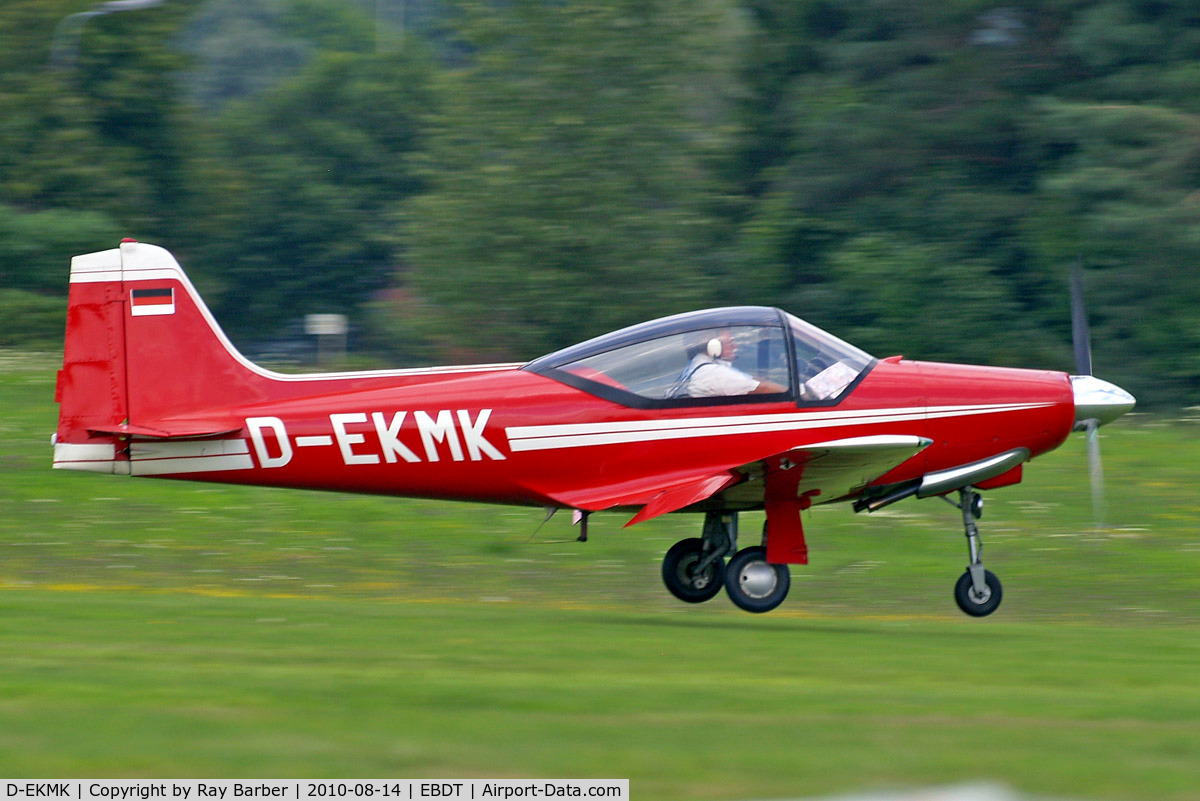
(482, 180)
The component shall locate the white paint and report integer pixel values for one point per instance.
(314, 442)
(473, 435)
(439, 430)
(71, 452)
(255, 426)
(201, 464)
(389, 438)
(575, 435)
(157, 310)
(346, 441)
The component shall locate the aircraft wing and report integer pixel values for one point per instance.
(828, 470)
(834, 469)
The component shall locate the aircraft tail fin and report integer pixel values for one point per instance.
(143, 357)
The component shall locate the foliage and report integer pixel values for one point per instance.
(566, 211)
(35, 247)
(492, 180)
(312, 178)
(30, 319)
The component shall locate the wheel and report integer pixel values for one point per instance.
(754, 584)
(973, 604)
(678, 571)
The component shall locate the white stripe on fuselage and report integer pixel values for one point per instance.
(166, 457)
(578, 435)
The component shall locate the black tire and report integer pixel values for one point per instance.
(754, 584)
(964, 594)
(676, 572)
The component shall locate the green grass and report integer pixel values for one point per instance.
(153, 628)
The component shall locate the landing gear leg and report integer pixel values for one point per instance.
(978, 591)
(694, 569)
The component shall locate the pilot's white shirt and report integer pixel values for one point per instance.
(715, 378)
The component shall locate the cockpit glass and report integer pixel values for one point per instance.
(708, 363)
(825, 365)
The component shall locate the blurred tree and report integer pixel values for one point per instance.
(571, 172)
(31, 320)
(86, 153)
(240, 48)
(305, 185)
(35, 253)
(909, 160)
(36, 247)
(1125, 202)
(128, 71)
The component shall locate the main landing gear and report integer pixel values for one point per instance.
(978, 591)
(694, 569)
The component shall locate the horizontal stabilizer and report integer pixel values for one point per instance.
(189, 430)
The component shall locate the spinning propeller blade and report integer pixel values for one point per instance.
(1081, 338)
(1096, 471)
(1096, 402)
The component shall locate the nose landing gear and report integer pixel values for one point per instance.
(978, 591)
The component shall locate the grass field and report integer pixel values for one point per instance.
(153, 628)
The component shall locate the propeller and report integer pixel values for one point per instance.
(1081, 340)
(1096, 402)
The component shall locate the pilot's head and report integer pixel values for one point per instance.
(722, 346)
(713, 343)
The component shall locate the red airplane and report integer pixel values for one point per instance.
(717, 411)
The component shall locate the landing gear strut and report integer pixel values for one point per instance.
(978, 591)
(694, 569)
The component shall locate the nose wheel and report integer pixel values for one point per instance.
(978, 592)
(974, 602)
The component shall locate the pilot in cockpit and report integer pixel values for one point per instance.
(710, 372)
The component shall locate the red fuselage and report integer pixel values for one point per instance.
(477, 436)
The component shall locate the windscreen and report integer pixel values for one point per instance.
(825, 365)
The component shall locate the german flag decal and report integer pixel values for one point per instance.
(146, 302)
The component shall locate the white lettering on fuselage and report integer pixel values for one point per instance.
(438, 432)
(255, 426)
(389, 438)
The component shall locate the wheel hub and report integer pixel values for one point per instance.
(697, 579)
(757, 579)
